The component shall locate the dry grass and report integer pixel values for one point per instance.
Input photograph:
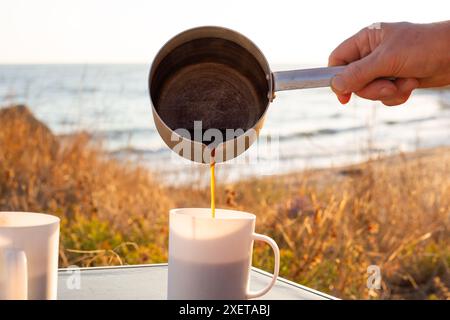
(103, 204)
(330, 224)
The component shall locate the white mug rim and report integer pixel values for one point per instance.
(44, 219)
(205, 213)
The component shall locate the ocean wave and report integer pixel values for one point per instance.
(138, 151)
(416, 120)
(319, 132)
(118, 133)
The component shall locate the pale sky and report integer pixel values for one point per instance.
(102, 31)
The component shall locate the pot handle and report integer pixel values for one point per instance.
(306, 78)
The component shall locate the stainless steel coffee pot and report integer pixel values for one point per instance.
(211, 81)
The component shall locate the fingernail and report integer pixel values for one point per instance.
(386, 92)
(337, 83)
(344, 99)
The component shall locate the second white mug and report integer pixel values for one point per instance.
(28, 255)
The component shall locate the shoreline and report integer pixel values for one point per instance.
(199, 174)
(355, 168)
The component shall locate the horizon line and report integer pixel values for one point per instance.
(289, 64)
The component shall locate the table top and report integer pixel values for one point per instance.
(148, 282)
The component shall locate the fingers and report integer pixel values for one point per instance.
(390, 93)
(367, 62)
(378, 90)
(358, 74)
(363, 64)
(404, 90)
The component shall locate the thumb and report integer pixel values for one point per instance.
(359, 74)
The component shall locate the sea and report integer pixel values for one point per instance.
(303, 129)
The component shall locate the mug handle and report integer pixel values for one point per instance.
(276, 269)
(14, 274)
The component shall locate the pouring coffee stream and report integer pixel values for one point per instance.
(213, 185)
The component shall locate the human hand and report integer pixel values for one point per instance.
(416, 55)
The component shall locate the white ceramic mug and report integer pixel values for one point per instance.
(28, 255)
(210, 258)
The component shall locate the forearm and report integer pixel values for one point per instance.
(441, 37)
